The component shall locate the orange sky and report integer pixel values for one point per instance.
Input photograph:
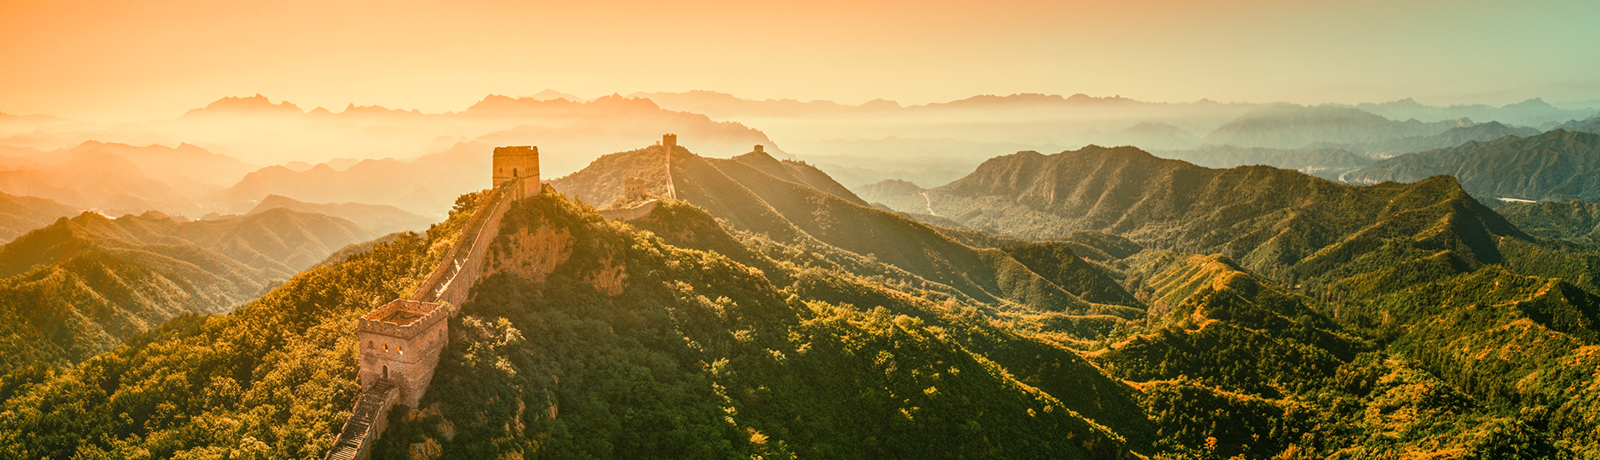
(126, 60)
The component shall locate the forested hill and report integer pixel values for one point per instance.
(1269, 219)
(1446, 290)
(83, 285)
(21, 214)
(1555, 166)
(623, 345)
(1576, 221)
(620, 343)
(726, 329)
(841, 230)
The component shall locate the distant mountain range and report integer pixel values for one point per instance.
(1330, 160)
(382, 219)
(1302, 135)
(257, 130)
(1554, 166)
(425, 185)
(120, 178)
(575, 130)
(1271, 220)
(257, 105)
(1532, 112)
(1480, 132)
(99, 180)
(82, 285)
(1292, 126)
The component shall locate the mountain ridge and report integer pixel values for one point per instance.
(1556, 165)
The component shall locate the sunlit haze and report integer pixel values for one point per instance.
(800, 229)
(124, 61)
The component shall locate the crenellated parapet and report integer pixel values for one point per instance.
(403, 318)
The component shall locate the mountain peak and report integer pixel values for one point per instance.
(880, 104)
(550, 94)
(252, 105)
(1535, 103)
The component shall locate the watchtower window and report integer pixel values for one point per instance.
(513, 172)
(369, 344)
(385, 371)
(386, 347)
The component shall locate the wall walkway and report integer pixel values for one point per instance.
(447, 286)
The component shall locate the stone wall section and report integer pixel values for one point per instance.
(399, 343)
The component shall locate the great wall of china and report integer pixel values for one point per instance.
(400, 341)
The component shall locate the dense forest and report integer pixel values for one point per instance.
(766, 313)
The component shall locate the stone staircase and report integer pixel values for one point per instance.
(352, 442)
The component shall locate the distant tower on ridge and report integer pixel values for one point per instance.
(518, 162)
(633, 188)
(670, 141)
(761, 148)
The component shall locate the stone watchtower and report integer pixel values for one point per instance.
(520, 162)
(633, 188)
(400, 343)
(761, 148)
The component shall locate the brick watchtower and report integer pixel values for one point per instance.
(400, 343)
(520, 162)
(633, 188)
